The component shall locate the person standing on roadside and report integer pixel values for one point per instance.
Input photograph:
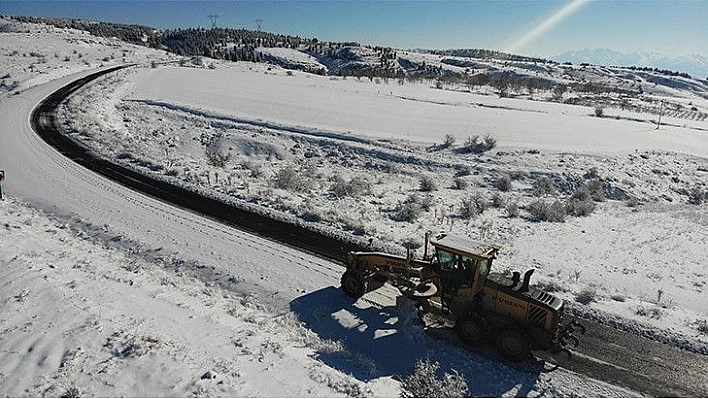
(2, 177)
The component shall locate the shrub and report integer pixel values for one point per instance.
(216, 154)
(701, 326)
(490, 142)
(652, 313)
(473, 205)
(352, 188)
(599, 111)
(468, 208)
(460, 183)
(497, 200)
(448, 141)
(633, 202)
(577, 207)
(288, 178)
(427, 184)
(586, 296)
(425, 382)
(255, 169)
(581, 194)
(597, 190)
(503, 183)
(547, 211)
(409, 210)
(426, 202)
(475, 146)
(512, 209)
(480, 201)
(543, 186)
(696, 196)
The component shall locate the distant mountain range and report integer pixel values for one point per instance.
(694, 65)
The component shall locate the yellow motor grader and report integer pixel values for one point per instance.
(456, 280)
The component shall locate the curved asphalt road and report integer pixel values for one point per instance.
(605, 353)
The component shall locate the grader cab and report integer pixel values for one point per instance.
(456, 279)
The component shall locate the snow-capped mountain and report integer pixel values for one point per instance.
(695, 65)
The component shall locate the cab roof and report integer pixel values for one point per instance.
(465, 246)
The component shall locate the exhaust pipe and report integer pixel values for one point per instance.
(527, 277)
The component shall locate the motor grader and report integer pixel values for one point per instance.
(455, 280)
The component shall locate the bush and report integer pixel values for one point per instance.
(543, 186)
(468, 208)
(586, 296)
(597, 190)
(352, 188)
(426, 202)
(599, 111)
(701, 326)
(497, 200)
(427, 184)
(547, 211)
(577, 207)
(255, 169)
(425, 382)
(581, 194)
(473, 205)
(696, 196)
(409, 210)
(652, 313)
(460, 183)
(512, 209)
(633, 202)
(289, 179)
(217, 155)
(475, 146)
(448, 141)
(503, 183)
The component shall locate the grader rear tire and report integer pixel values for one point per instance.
(354, 284)
(513, 345)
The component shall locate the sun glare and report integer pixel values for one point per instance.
(554, 19)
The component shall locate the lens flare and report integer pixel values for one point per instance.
(557, 17)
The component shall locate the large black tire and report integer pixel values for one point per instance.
(513, 345)
(472, 329)
(354, 284)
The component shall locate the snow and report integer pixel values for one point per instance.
(117, 294)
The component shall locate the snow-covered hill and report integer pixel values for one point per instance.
(695, 65)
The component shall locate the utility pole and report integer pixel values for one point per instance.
(258, 24)
(661, 110)
(213, 18)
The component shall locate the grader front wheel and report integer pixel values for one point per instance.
(354, 284)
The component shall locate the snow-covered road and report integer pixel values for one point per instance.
(37, 173)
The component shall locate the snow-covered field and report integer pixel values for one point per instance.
(143, 300)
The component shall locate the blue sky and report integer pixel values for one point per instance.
(669, 27)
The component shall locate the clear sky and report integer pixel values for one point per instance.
(531, 27)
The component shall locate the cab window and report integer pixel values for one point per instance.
(446, 259)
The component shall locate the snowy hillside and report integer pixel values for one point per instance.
(131, 297)
(696, 65)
